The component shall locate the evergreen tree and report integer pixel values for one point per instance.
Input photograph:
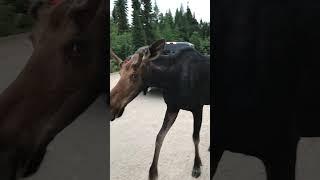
(155, 14)
(147, 21)
(161, 20)
(191, 24)
(204, 29)
(195, 39)
(181, 24)
(138, 38)
(155, 21)
(169, 18)
(181, 9)
(121, 8)
(114, 15)
(177, 18)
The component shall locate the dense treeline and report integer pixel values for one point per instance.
(14, 17)
(148, 24)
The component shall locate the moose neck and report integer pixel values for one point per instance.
(159, 72)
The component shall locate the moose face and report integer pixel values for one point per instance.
(63, 76)
(132, 73)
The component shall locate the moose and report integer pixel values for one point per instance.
(64, 75)
(185, 80)
(255, 86)
(266, 74)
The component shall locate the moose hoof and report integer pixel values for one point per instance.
(196, 172)
(153, 174)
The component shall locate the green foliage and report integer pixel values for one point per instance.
(21, 6)
(195, 39)
(155, 14)
(148, 25)
(24, 22)
(13, 17)
(120, 15)
(138, 34)
(121, 45)
(201, 44)
(7, 16)
(147, 21)
(114, 14)
(205, 46)
(114, 67)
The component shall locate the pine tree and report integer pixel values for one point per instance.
(155, 21)
(138, 38)
(121, 8)
(169, 18)
(147, 21)
(114, 15)
(155, 14)
(181, 9)
(180, 24)
(191, 24)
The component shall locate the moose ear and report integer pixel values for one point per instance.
(155, 49)
(83, 12)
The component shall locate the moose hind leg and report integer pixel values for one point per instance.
(170, 117)
(197, 121)
(281, 165)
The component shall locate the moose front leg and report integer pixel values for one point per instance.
(197, 120)
(170, 117)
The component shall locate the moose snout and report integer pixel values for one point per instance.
(116, 113)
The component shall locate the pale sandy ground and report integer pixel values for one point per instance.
(133, 138)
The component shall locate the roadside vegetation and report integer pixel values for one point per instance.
(14, 17)
(149, 24)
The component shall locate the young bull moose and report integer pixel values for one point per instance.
(184, 79)
(64, 75)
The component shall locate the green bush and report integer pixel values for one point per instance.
(121, 45)
(13, 17)
(7, 16)
(114, 67)
(24, 22)
(205, 46)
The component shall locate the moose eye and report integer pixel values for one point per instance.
(75, 49)
(121, 64)
(133, 77)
